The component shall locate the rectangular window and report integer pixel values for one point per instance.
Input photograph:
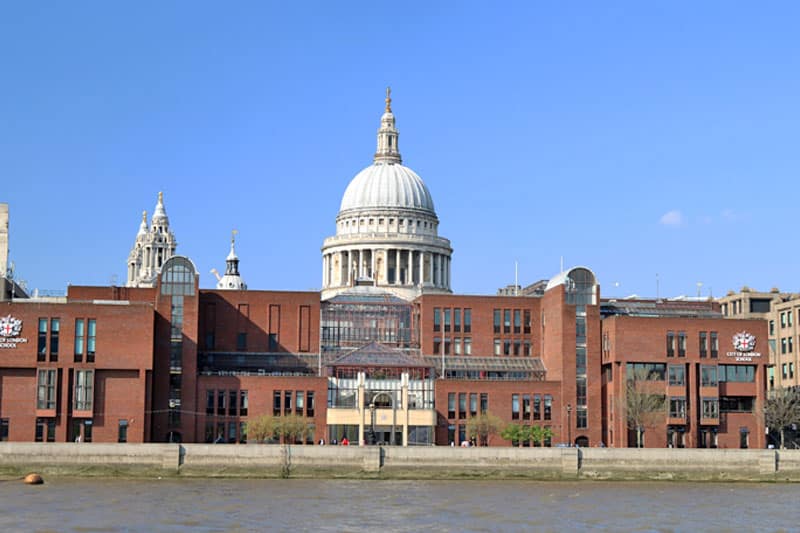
(287, 402)
(772, 327)
(457, 346)
(708, 376)
(437, 319)
(515, 407)
(677, 375)
(736, 404)
(646, 371)
(497, 348)
(310, 404)
(276, 403)
(670, 344)
(457, 320)
(527, 349)
(526, 406)
(517, 347)
(243, 403)
(41, 348)
(209, 402)
(791, 344)
(45, 427)
(46, 395)
(437, 345)
(122, 431)
(506, 347)
(681, 344)
(581, 417)
(580, 390)
(91, 340)
(506, 320)
(714, 345)
(473, 404)
(710, 408)
(299, 405)
(84, 390)
(703, 344)
(447, 345)
(548, 406)
(497, 320)
(221, 403)
(783, 370)
(580, 360)
(447, 320)
(789, 318)
(79, 337)
(3, 429)
(233, 397)
(526, 321)
(677, 407)
(517, 321)
(467, 346)
(484, 402)
(241, 341)
(537, 407)
(55, 326)
(451, 405)
(467, 320)
(462, 405)
(791, 370)
(783, 345)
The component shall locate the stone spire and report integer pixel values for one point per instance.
(232, 280)
(151, 248)
(142, 226)
(388, 150)
(160, 218)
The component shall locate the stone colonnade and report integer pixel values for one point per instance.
(386, 266)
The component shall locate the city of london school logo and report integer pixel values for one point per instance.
(744, 342)
(10, 326)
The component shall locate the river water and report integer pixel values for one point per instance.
(347, 505)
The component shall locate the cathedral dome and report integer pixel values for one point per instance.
(387, 185)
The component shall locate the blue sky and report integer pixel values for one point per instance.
(641, 139)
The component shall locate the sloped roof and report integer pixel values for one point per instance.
(374, 354)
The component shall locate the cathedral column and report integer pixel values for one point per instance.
(430, 268)
(397, 267)
(421, 269)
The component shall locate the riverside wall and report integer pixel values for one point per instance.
(273, 461)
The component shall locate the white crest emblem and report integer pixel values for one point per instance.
(744, 342)
(10, 326)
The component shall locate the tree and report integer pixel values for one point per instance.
(641, 406)
(512, 433)
(539, 435)
(262, 428)
(483, 426)
(292, 427)
(782, 409)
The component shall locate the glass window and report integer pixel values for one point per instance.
(276, 403)
(447, 320)
(581, 417)
(506, 320)
(467, 346)
(46, 395)
(209, 402)
(3, 429)
(437, 319)
(681, 344)
(451, 405)
(526, 321)
(677, 407)
(714, 345)
(287, 402)
(221, 402)
(670, 344)
(548, 406)
(708, 376)
(243, 403)
(473, 404)
(537, 407)
(55, 326)
(710, 408)
(457, 346)
(515, 407)
(457, 320)
(526, 406)
(84, 385)
(437, 345)
(677, 375)
(79, 337)
(497, 320)
(517, 321)
(91, 340)
(241, 341)
(484, 402)
(122, 431)
(233, 403)
(467, 320)
(703, 344)
(497, 349)
(462, 405)
(41, 350)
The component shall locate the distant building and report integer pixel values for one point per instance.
(385, 353)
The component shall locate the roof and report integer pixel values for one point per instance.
(660, 308)
(489, 364)
(383, 185)
(374, 354)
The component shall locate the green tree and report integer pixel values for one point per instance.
(483, 426)
(539, 435)
(292, 428)
(782, 409)
(262, 428)
(512, 433)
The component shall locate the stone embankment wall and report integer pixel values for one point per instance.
(271, 461)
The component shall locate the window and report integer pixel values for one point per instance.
(447, 316)
(791, 343)
(580, 360)
(473, 404)
(515, 407)
(55, 326)
(681, 344)
(703, 344)
(526, 321)
(457, 320)
(791, 370)
(580, 390)
(287, 402)
(46, 395)
(45, 428)
(736, 404)
(710, 408)
(122, 431)
(772, 327)
(79, 335)
(243, 403)
(714, 345)
(526, 406)
(451, 405)
(276, 403)
(467, 346)
(517, 321)
(209, 402)
(548, 406)
(299, 402)
(447, 345)
(462, 405)
(221, 402)
(233, 403)
(677, 407)
(783, 345)
(437, 345)
(506, 347)
(241, 341)
(737, 373)
(670, 344)
(527, 348)
(708, 376)
(646, 371)
(783, 370)
(457, 346)
(497, 347)
(468, 320)
(497, 320)
(537, 407)
(84, 385)
(581, 417)
(677, 375)
(506, 320)
(91, 340)
(517, 346)
(789, 319)
(484, 402)
(437, 319)
(3, 429)
(41, 347)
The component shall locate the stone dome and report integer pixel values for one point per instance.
(387, 185)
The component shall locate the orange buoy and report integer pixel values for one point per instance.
(33, 479)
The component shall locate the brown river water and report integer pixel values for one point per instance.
(64, 504)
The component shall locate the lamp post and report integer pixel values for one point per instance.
(569, 424)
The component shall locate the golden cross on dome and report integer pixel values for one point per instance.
(388, 99)
(233, 235)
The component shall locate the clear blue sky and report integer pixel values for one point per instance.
(636, 138)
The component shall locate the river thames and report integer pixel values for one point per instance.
(63, 504)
